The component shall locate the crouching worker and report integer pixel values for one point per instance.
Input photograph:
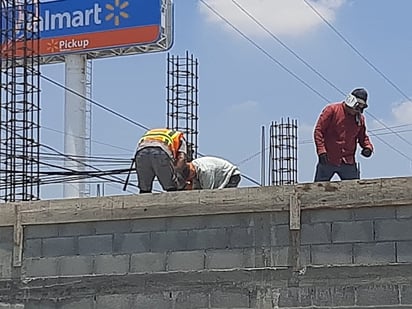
(158, 153)
(210, 173)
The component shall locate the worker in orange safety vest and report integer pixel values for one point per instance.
(159, 153)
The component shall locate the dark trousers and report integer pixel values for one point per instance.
(325, 172)
(153, 162)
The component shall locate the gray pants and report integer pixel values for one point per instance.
(154, 162)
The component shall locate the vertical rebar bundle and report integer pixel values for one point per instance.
(283, 153)
(19, 96)
(182, 99)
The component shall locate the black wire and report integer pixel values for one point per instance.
(288, 48)
(92, 140)
(111, 111)
(317, 72)
(261, 49)
(89, 158)
(71, 172)
(372, 66)
(115, 179)
(94, 102)
(78, 161)
(265, 52)
(358, 52)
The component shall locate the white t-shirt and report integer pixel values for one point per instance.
(213, 173)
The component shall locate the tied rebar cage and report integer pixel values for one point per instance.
(19, 99)
(283, 152)
(182, 99)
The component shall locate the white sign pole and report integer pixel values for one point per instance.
(75, 136)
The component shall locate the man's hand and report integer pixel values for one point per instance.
(323, 158)
(366, 152)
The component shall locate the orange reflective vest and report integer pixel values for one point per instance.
(169, 137)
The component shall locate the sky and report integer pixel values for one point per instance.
(280, 59)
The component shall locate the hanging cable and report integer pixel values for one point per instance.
(257, 46)
(110, 110)
(94, 102)
(265, 52)
(370, 64)
(287, 47)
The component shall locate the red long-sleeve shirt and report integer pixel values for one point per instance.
(336, 133)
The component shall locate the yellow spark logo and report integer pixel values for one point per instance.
(116, 11)
(53, 46)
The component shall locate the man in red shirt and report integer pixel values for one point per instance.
(339, 128)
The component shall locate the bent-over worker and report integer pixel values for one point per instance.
(159, 152)
(211, 173)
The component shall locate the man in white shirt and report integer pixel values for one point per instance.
(210, 173)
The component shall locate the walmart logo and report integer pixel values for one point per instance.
(117, 11)
(94, 14)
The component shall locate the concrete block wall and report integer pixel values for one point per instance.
(232, 249)
(143, 245)
(376, 235)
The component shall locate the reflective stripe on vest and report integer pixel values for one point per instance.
(169, 137)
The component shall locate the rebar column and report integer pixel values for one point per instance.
(19, 101)
(283, 153)
(182, 99)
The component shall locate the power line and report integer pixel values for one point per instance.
(393, 148)
(94, 102)
(369, 63)
(264, 51)
(358, 52)
(92, 140)
(115, 179)
(394, 127)
(112, 111)
(302, 60)
(287, 47)
(382, 123)
(79, 161)
(310, 141)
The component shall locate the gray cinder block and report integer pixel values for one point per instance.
(131, 243)
(186, 260)
(331, 254)
(40, 267)
(95, 245)
(148, 262)
(230, 258)
(319, 233)
(170, 240)
(374, 253)
(404, 253)
(75, 265)
(395, 230)
(357, 231)
(112, 264)
(59, 246)
(208, 239)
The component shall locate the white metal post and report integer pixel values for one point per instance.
(75, 121)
